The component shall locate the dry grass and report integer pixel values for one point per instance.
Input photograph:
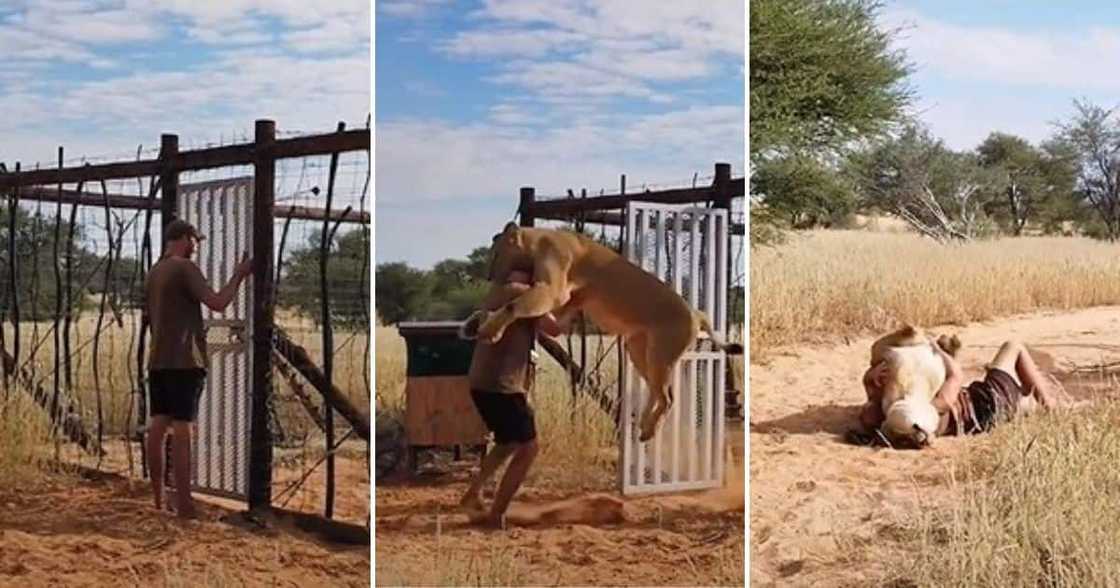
(847, 282)
(1038, 505)
(578, 447)
(23, 432)
(117, 363)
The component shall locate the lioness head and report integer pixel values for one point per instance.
(915, 374)
(507, 253)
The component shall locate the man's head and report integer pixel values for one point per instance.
(507, 254)
(180, 238)
(519, 276)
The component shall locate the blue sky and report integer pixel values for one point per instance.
(101, 77)
(475, 99)
(1006, 66)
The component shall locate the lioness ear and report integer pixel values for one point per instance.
(511, 228)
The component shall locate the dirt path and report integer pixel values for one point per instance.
(101, 530)
(686, 540)
(816, 501)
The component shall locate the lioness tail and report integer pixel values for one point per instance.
(717, 341)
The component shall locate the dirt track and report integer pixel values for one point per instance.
(103, 531)
(816, 501)
(687, 540)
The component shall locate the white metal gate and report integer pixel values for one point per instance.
(686, 247)
(223, 211)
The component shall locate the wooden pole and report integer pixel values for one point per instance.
(525, 206)
(260, 451)
(328, 331)
(168, 180)
(169, 206)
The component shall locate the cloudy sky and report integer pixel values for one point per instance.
(101, 77)
(1012, 66)
(475, 99)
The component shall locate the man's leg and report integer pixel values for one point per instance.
(157, 431)
(1014, 359)
(490, 464)
(181, 454)
(523, 457)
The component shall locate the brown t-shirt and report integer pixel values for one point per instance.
(505, 366)
(174, 291)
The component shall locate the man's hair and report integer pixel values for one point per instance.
(179, 228)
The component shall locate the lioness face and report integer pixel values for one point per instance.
(911, 423)
(507, 254)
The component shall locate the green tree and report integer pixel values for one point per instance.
(403, 292)
(822, 75)
(347, 278)
(939, 192)
(35, 271)
(803, 191)
(1092, 136)
(1030, 184)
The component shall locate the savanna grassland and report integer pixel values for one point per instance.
(1031, 504)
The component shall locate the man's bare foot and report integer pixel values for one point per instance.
(471, 502)
(488, 520)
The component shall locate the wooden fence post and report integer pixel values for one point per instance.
(168, 210)
(168, 180)
(525, 206)
(260, 443)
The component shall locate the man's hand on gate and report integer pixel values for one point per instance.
(245, 268)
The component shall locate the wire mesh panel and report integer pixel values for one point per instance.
(687, 249)
(222, 211)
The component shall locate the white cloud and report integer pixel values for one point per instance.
(602, 47)
(1075, 61)
(447, 162)
(409, 8)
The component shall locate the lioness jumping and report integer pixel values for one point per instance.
(657, 324)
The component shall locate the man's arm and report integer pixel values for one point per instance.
(871, 416)
(947, 396)
(220, 300)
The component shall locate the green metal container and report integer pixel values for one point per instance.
(435, 349)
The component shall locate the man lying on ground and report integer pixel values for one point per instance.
(1013, 384)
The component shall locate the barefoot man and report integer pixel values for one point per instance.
(174, 293)
(500, 377)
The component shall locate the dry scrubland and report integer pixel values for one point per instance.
(1038, 506)
(1036, 503)
(824, 283)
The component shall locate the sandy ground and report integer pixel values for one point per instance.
(422, 538)
(101, 530)
(815, 499)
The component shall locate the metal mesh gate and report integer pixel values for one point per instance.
(686, 247)
(223, 211)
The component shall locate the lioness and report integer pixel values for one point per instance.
(912, 374)
(656, 323)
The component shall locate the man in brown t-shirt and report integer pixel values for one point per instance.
(175, 291)
(501, 374)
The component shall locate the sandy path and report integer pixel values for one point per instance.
(575, 539)
(815, 500)
(102, 531)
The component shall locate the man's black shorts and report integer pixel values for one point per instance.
(507, 415)
(176, 392)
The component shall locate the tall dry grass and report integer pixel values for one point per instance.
(117, 363)
(846, 282)
(1039, 505)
